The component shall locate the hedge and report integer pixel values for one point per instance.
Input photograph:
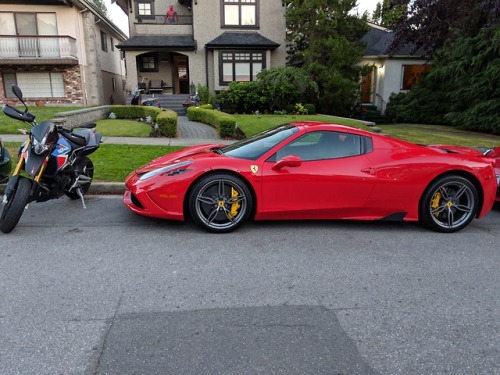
(223, 122)
(167, 123)
(165, 119)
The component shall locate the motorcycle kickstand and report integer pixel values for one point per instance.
(80, 194)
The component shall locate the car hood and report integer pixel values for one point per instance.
(189, 153)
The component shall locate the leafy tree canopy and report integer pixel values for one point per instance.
(326, 41)
(101, 6)
(429, 24)
(387, 13)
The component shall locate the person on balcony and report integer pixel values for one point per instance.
(171, 17)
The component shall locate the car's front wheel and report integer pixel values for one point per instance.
(449, 204)
(220, 203)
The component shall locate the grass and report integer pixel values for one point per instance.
(10, 126)
(123, 128)
(253, 124)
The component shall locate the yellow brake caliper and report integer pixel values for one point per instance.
(236, 205)
(435, 202)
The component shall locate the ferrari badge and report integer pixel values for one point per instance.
(254, 168)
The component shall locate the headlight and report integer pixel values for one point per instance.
(169, 168)
(40, 148)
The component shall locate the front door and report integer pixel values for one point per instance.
(181, 75)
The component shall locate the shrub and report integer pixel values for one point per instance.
(310, 108)
(223, 122)
(167, 123)
(206, 106)
(135, 111)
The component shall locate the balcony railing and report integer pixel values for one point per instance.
(37, 47)
(160, 19)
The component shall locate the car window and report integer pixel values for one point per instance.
(322, 145)
(254, 147)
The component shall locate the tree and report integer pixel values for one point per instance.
(387, 13)
(326, 42)
(101, 6)
(461, 89)
(429, 24)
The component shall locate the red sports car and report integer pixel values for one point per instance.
(313, 170)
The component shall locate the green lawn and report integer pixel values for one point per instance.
(123, 128)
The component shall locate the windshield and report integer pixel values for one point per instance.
(257, 145)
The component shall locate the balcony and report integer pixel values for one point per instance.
(21, 49)
(156, 25)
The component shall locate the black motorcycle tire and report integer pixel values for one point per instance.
(83, 166)
(14, 208)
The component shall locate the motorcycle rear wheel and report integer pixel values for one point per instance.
(14, 208)
(84, 167)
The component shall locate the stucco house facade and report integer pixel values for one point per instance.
(60, 51)
(393, 72)
(186, 43)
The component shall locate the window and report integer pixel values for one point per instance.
(240, 66)
(240, 13)
(148, 63)
(145, 9)
(36, 85)
(412, 75)
(104, 41)
(111, 44)
(324, 145)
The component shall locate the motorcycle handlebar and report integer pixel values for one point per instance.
(17, 114)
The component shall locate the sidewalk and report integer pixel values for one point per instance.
(190, 133)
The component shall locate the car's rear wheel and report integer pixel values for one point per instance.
(220, 203)
(449, 204)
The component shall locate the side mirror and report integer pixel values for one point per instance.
(288, 161)
(17, 92)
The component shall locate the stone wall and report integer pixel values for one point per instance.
(72, 119)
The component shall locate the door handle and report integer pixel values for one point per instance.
(369, 170)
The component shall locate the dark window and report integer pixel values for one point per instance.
(111, 44)
(104, 41)
(412, 75)
(240, 66)
(240, 13)
(148, 63)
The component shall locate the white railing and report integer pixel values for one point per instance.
(36, 47)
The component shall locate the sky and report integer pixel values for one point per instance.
(119, 18)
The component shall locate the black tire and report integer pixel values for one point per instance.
(449, 204)
(14, 208)
(85, 170)
(220, 203)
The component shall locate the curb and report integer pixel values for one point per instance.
(97, 188)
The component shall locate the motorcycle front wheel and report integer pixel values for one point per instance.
(85, 170)
(14, 208)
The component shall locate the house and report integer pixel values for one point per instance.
(180, 45)
(393, 73)
(60, 51)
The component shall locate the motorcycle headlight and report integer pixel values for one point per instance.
(39, 148)
(162, 170)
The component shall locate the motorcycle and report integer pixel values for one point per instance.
(52, 162)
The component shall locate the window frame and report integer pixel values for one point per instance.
(240, 4)
(234, 61)
(151, 4)
(53, 78)
(153, 57)
(104, 41)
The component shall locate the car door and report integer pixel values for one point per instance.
(331, 184)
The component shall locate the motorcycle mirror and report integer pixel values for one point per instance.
(18, 92)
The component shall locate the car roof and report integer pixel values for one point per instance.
(320, 125)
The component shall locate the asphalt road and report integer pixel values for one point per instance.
(103, 291)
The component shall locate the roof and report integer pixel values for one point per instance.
(242, 40)
(378, 40)
(166, 42)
